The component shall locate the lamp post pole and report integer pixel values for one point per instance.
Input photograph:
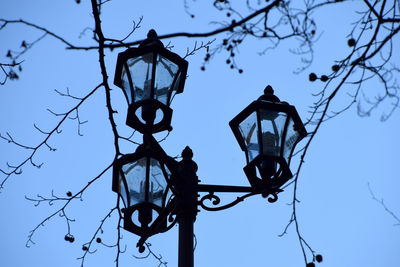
(187, 203)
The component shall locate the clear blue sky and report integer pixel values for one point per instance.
(337, 215)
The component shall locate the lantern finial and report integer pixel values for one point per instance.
(187, 153)
(152, 34)
(269, 95)
(268, 90)
(152, 39)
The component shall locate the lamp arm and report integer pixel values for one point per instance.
(225, 188)
(215, 200)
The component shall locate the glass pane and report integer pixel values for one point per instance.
(291, 139)
(122, 189)
(158, 183)
(272, 124)
(175, 87)
(135, 175)
(168, 193)
(140, 70)
(126, 84)
(166, 71)
(248, 128)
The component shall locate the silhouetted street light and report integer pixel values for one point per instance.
(267, 131)
(157, 191)
(150, 76)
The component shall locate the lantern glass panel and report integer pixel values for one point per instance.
(135, 175)
(122, 188)
(138, 70)
(126, 84)
(176, 86)
(166, 72)
(158, 183)
(272, 127)
(291, 139)
(248, 129)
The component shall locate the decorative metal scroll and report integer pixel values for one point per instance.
(172, 219)
(216, 200)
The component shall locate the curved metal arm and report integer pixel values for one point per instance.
(225, 188)
(215, 200)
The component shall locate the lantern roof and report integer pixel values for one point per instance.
(269, 102)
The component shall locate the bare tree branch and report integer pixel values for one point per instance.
(382, 203)
(61, 211)
(17, 168)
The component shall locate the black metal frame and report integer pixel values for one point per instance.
(187, 194)
(256, 106)
(155, 48)
(283, 173)
(133, 121)
(279, 178)
(150, 149)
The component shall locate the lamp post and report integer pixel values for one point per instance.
(156, 190)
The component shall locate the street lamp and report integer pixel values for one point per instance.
(150, 76)
(267, 131)
(142, 181)
(156, 190)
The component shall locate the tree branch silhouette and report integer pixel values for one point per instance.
(61, 211)
(384, 206)
(17, 169)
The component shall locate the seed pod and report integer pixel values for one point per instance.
(324, 78)
(335, 68)
(318, 258)
(312, 77)
(351, 42)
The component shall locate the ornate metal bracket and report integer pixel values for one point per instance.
(216, 200)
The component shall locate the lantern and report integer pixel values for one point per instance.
(142, 181)
(267, 131)
(150, 76)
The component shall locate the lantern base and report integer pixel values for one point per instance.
(144, 215)
(144, 117)
(268, 173)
